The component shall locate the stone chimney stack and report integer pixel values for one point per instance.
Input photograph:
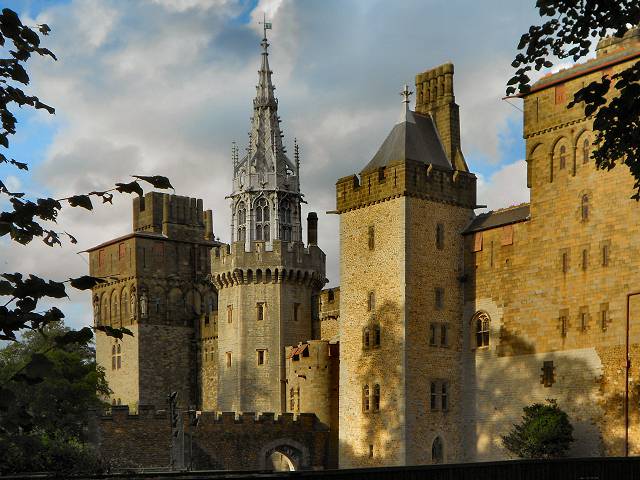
(208, 225)
(312, 229)
(434, 96)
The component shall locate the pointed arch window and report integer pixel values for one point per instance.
(366, 400)
(437, 451)
(481, 325)
(285, 221)
(263, 217)
(241, 216)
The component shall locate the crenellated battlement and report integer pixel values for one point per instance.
(285, 262)
(406, 178)
(172, 215)
(308, 421)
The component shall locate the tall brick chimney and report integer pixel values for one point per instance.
(312, 228)
(434, 96)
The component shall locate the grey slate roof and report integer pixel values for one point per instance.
(414, 138)
(488, 220)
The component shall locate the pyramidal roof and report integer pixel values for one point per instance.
(414, 137)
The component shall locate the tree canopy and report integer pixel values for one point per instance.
(545, 432)
(48, 378)
(571, 29)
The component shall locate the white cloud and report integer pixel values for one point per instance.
(506, 187)
(164, 87)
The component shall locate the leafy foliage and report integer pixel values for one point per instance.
(48, 376)
(569, 30)
(545, 432)
(48, 383)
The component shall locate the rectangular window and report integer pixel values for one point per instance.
(101, 258)
(585, 259)
(440, 236)
(434, 396)
(507, 235)
(229, 313)
(261, 357)
(433, 334)
(439, 292)
(371, 302)
(370, 451)
(444, 398)
(296, 311)
(228, 357)
(260, 309)
(477, 242)
(565, 262)
(122, 251)
(113, 363)
(584, 318)
(119, 362)
(444, 335)
(563, 325)
(605, 255)
(547, 378)
(604, 316)
(371, 237)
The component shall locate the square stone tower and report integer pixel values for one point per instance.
(401, 296)
(156, 288)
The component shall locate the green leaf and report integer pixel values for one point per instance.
(114, 332)
(82, 337)
(157, 181)
(83, 201)
(86, 282)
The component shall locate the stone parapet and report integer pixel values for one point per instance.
(406, 178)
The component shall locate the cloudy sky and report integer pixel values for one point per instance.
(164, 86)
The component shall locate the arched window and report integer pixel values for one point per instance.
(330, 296)
(241, 216)
(375, 340)
(375, 407)
(437, 451)
(124, 306)
(586, 150)
(366, 406)
(440, 236)
(481, 325)
(563, 157)
(371, 301)
(115, 316)
(285, 221)
(584, 208)
(262, 220)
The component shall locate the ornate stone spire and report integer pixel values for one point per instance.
(265, 173)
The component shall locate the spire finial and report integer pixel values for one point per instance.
(406, 93)
(265, 26)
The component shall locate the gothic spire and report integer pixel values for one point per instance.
(264, 89)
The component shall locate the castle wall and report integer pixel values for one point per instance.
(219, 441)
(208, 362)
(372, 438)
(558, 293)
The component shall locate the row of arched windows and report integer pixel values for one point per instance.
(120, 307)
(262, 226)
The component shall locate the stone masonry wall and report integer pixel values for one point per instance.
(219, 441)
(558, 293)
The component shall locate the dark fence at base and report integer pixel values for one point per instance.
(609, 468)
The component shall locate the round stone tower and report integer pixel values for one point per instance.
(268, 281)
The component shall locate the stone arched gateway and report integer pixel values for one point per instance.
(293, 454)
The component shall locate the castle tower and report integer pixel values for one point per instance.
(156, 288)
(401, 296)
(268, 281)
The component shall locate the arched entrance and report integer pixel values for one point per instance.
(285, 455)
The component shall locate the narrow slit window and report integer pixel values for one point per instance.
(371, 237)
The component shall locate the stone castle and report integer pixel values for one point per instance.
(446, 323)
